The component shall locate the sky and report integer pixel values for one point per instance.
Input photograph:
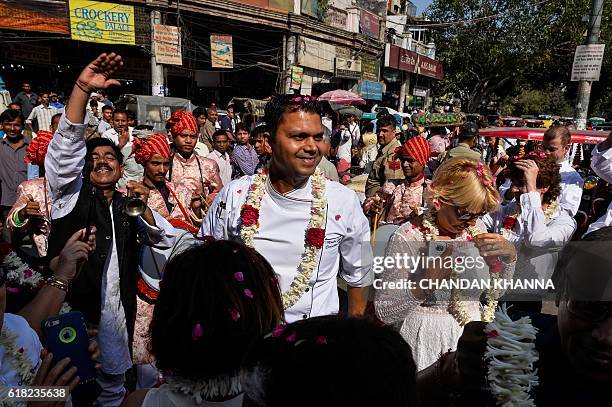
(421, 5)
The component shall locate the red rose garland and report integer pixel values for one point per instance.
(315, 237)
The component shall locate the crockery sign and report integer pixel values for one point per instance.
(107, 23)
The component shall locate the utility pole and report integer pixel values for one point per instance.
(584, 87)
(158, 87)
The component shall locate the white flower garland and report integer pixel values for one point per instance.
(18, 356)
(511, 355)
(456, 304)
(19, 274)
(216, 387)
(317, 221)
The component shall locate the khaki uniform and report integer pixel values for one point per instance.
(463, 151)
(385, 168)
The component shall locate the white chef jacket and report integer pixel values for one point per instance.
(63, 166)
(601, 163)
(280, 239)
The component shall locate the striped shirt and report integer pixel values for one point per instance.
(43, 115)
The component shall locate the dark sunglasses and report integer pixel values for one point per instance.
(465, 215)
(591, 311)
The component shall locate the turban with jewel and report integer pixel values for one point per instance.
(181, 121)
(36, 151)
(145, 148)
(417, 148)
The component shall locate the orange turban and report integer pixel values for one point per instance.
(36, 151)
(417, 148)
(145, 148)
(181, 121)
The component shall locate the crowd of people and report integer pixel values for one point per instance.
(229, 263)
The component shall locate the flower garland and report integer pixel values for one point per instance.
(511, 354)
(20, 274)
(314, 235)
(18, 356)
(199, 391)
(456, 303)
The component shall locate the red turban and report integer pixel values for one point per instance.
(145, 148)
(36, 151)
(181, 121)
(417, 148)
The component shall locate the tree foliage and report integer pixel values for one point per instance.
(505, 48)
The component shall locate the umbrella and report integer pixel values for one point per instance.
(342, 97)
(350, 111)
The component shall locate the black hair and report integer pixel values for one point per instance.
(219, 133)
(93, 103)
(591, 257)
(15, 103)
(11, 114)
(281, 104)
(385, 120)
(121, 111)
(226, 288)
(326, 355)
(199, 111)
(131, 114)
(242, 127)
(106, 107)
(96, 142)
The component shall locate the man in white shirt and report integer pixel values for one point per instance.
(220, 155)
(105, 289)
(107, 120)
(42, 114)
(601, 163)
(308, 228)
(557, 145)
(121, 135)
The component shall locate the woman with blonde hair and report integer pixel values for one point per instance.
(429, 256)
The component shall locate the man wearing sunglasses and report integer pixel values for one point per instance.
(574, 347)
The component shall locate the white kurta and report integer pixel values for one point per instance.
(601, 163)
(27, 339)
(280, 239)
(63, 165)
(538, 242)
(571, 189)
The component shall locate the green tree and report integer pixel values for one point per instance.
(505, 46)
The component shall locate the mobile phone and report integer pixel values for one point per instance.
(435, 248)
(66, 336)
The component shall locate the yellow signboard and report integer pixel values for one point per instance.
(107, 23)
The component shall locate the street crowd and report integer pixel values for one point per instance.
(229, 262)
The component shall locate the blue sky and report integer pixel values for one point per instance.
(421, 4)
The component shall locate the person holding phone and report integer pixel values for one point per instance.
(105, 289)
(461, 192)
(19, 340)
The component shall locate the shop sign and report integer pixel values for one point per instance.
(167, 40)
(34, 15)
(348, 68)
(369, 68)
(316, 55)
(409, 61)
(221, 51)
(107, 23)
(369, 24)
(336, 18)
(297, 74)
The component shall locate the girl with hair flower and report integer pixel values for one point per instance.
(204, 323)
(533, 221)
(431, 320)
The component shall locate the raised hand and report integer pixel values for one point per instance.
(98, 72)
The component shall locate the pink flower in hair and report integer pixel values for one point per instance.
(292, 337)
(248, 293)
(235, 314)
(239, 276)
(197, 332)
(321, 340)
